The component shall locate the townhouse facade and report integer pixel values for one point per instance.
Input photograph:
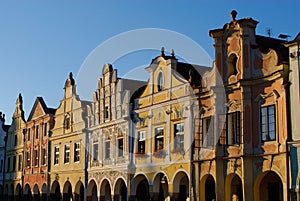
(110, 137)
(35, 170)
(3, 132)
(247, 157)
(68, 165)
(14, 154)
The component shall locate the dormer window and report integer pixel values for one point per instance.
(232, 65)
(160, 81)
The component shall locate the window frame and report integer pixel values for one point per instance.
(159, 133)
(28, 159)
(141, 141)
(67, 153)
(178, 134)
(95, 150)
(120, 150)
(205, 131)
(56, 155)
(76, 152)
(235, 119)
(268, 123)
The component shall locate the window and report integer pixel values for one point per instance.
(179, 136)
(36, 157)
(107, 149)
(120, 147)
(67, 122)
(106, 112)
(67, 154)
(16, 140)
(56, 155)
(28, 134)
(159, 138)
(44, 156)
(1, 165)
(268, 120)
(37, 131)
(232, 65)
(8, 165)
(141, 141)
(28, 159)
(45, 129)
(233, 128)
(20, 164)
(95, 150)
(160, 81)
(207, 131)
(14, 163)
(77, 151)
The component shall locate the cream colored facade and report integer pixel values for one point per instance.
(165, 113)
(109, 137)
(14, 154)
(68, 143)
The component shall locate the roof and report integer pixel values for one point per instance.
(44, 106)
(266, 43)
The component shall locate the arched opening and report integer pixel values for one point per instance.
(67, 192)
(6, 192)
(160, 187)
(44, 192)
(79, 191)
(210, 189)
(105, 190)
(140, 188)
(270, 187)
(55, 191)
(120, 191)
(36, 193)
(181, 186)
(233, 187)
(92, 191)
(11, 193)
(18, 193)
(26, 192)
(232, 65)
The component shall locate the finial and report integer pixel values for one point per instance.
(233, 14)
(162, 52)
(20, 100)
(71, 75)
(173, 53)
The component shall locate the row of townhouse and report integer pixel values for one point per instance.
(228, 132)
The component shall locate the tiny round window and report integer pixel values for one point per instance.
(160, 81)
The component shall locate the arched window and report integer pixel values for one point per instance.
(160, 81)
(67, 122)
(232, 65)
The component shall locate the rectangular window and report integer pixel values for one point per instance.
(44, 156)
(107, 149)
(77, 152)
(45, 129)
(233, 128)
(120, 147)
(28, 159)
(36, 157)
(95, 151)
(141, 142)
(207, 131)
(67, 154)
(20, 164)
(8, 165)
(268, 120)
(159, 138)
(179, 136)
(37, 131)
(14, 163)
(28, 134)
(106, 112)
(56, 155)
(1, 165)
(16, 140)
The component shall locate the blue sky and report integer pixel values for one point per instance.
(42, 41)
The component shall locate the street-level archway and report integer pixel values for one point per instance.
(36, 193)
(181, 186)
(44, 192)
(160, 186)
(55, 191)
(92, 191)
(268, 186)
(140, 188)
(105, 190)
(208, 188)
(234, 187)
(67, 192)
(26, 192)
(120, 190)
(79, 191)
